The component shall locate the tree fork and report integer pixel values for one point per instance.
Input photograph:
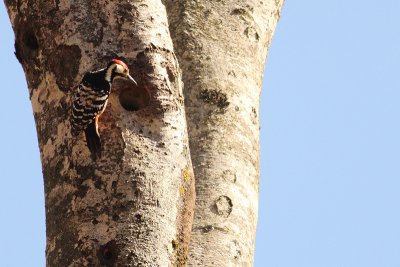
(134, 205)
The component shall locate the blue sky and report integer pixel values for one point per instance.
(330, 172)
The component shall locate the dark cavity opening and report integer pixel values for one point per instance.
(26, 44)
(108, 253)
(31, 40)
(131, 96)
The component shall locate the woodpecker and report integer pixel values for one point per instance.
(90, 100)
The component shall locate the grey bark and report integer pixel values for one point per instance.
(222, 46)
(132, 207)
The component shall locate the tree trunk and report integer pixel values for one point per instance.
(133, 206)
(221, 47)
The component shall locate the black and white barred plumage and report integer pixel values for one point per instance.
(90, 100)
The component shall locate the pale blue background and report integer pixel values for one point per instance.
(330, 111)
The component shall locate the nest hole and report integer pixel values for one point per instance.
(108, 253)
(132, 97)
(26, 44)
(31, 41)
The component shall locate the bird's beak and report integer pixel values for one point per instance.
(130, 78)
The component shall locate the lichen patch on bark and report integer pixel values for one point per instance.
(215, 97)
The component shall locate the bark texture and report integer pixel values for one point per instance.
(132, 207)
(222, 46)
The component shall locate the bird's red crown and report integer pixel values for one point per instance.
(120, 62)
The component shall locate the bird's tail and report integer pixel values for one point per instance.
(93, 140)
